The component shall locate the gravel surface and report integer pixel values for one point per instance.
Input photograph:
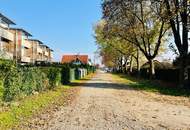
(105, 104)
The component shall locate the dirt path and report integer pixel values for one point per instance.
(106, 105)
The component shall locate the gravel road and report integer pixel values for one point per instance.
(105, 104)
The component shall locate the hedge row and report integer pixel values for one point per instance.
(171, 75)
(19, 81)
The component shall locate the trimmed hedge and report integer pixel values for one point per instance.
(54, 76)
(12, 85)
(23, 81)
(20, 81)
(171, 75)
(65, 75)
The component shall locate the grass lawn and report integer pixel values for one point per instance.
(152, 86)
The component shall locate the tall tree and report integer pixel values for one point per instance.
(114, 43)
(178, 15)
(137, 22)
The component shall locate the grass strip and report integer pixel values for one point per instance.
(27, 107)
(20, 111)
(151, 86)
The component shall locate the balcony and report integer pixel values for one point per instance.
(39, 59)
(6, 55)
(51, 55)
(6, 34)
(27, 44)
(26, 59)
(46, 53)
(39, 50)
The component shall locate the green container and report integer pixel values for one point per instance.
(72, 74)
(78, 74)
(65, 75)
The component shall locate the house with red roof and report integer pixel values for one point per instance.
(75, 59)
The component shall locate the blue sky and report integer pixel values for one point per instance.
(64, 25)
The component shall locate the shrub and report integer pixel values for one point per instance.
(65, 74)
(24, 81)
(5, 67)
(90, 69)
(12, 84)
(54, 76)
(28, 81)
(42, 82)
(19, 81)
(170, 75)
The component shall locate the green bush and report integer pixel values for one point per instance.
(12, 85)
(90, 69)
(65, 74)
(42, 82)
(21, 82)
(5, 67)
(54, 76)
(28, 81)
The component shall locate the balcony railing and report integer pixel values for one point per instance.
(51, 55)
(26, 59)
(6, 34)
(39, 50)
(6, 55)
(27, 44)
(46, 53)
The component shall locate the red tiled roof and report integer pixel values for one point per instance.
(71, 58)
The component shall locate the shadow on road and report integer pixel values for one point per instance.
(103, 85)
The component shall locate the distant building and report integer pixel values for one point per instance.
(40, 52)
(6, 37)
(16, 45)
(23, 49)
(75, 59)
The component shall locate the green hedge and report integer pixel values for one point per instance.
(5, 67)
(54, 76)
(20, 81)
(23, 81)
(12, 85)
(90, 69)
(65, 74)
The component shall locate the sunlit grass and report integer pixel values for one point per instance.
(21, 110)
(151, 86)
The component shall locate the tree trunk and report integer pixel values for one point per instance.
(131, 65)
(151, 69)
(121, 63)
(125, 66)
(181, 76)
(182, 73)
(138, 64)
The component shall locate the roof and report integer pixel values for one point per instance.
(158, 65)
(45, 46)
(7, 20)
(24, 31)
(36, 41)
(71, 58)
